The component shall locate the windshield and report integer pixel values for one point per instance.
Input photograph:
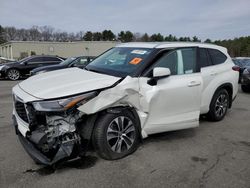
(67, 61)
(119, 61)
(24, 59)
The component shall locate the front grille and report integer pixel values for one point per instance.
(21, 111)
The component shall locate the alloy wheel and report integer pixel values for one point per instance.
(221, 105)
(13, 74)
(121, 134)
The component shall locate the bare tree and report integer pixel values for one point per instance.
(34, 33)
(46, 32)
(79, 35)
(63, 37)
(23, 34)
(11, 33)
(71, 36)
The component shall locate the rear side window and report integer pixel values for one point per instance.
(52, 59)
(35, 59)
(217, 56)
(204, 60)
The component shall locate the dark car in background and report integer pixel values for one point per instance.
(245, 80)
(80, 62)
(22, 68)
(244, 64)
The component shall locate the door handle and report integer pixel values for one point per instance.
(194, 83)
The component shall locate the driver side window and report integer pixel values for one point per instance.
(80, 61)
(181, 61)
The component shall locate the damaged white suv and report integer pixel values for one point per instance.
(124, 95)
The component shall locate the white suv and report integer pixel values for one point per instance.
(127, 93)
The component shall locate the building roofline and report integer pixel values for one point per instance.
(56, 42)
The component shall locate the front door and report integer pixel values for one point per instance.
(174, 102)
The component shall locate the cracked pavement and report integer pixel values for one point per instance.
(212, 155)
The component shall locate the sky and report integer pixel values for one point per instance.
(214, 19)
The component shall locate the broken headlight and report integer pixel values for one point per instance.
(63, 104)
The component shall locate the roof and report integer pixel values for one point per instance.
(170, 45)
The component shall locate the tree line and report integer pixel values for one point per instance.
(236, 47)
(47, 33)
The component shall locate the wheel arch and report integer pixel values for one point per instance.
(88, 123)
(229, 88)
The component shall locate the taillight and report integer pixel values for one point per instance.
(236, 68)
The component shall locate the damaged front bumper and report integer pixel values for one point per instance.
(30, 142)
(64, 152)
(48, 137)
(34, 153)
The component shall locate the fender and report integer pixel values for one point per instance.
(229, 88)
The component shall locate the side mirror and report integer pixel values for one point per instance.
(159, 73)
(25, 63)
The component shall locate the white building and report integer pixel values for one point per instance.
(18, 49)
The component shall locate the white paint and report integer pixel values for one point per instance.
(65, 82)
(161, 71)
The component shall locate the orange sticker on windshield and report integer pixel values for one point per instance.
(135, 61)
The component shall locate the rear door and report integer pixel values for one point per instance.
(212, 66)
(174, 103)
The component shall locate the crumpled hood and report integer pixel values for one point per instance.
(65, 82)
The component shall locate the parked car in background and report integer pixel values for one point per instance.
(245, 79)
(22, 68)
(243, 63)
(80, 62)
(127, 93)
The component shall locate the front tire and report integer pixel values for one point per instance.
(116, 135)
(219, 105)
(13, 74)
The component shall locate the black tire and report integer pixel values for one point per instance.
(106, 127)
(219, 105)
(245, 88)
(13, 74)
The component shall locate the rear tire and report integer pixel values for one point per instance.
(219, 105)
(13, 74)
(116, 135)
(245, 88)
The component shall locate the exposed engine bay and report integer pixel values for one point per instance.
(58, 137)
